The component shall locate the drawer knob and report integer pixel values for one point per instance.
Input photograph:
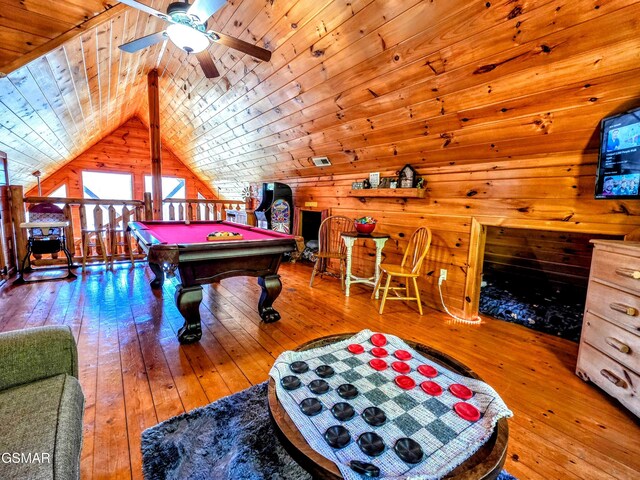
(617, 344)
(622, 308)
(628, 272)
(613, 378)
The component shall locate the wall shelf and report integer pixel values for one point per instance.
(388, 193)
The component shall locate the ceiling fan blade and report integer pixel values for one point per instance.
(203, 9)
(240, 45)
(147, 9)
(143, 42)
(206, 62)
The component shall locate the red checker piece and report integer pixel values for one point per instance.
(378, 364)
(355, 348)
(404, 382)
(432, 388)
(378, 340)
(401, 367)
(402, 355)
(461, 391)
(379, 352)
(428, 371)
(467, 411)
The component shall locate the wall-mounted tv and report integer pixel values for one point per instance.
(618, 173)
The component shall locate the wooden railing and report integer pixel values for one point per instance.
(81, 230)
(201, 209)
(110, 219)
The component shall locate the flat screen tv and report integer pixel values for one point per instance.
(618, 173)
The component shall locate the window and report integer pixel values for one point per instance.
(171, 188)
(60, 192)
(108, 186)
(4, 174)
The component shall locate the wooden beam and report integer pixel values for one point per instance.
(45, 48)
(16, 194)
(474, 270)
(155, 143)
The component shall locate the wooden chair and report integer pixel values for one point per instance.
(409, 268)
(330, 244)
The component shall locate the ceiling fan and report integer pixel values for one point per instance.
(188, 31)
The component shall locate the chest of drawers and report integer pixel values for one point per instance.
(609, 354)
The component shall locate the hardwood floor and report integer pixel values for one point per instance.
(135, 374)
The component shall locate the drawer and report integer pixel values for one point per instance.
(615, 305)
(618, 269)
(613, 378)
(616, 342)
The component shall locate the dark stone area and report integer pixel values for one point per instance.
(554, 309)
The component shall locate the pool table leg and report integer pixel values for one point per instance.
(271, 288)
(159, 273)
(188, 301)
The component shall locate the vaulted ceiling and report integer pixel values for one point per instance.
(373, 84)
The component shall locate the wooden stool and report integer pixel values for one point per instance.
(120, 238)
(98, 243)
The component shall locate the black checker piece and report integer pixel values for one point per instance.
(319, 387)
(311, 406)
(371, 444)
(337, 436)
(374, 416)
(325, 371)
(347, 391)
(290, 382)
(299, 367)
(364, 468)
(343, 411)
(408, 450)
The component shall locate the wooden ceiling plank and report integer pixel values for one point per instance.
(90, 63)
(67, 11)
(278, 12)
(20, 94)
(66, 80)
(25, 143)
(19, 41)
(43, 76)
(307, 88)
(103, 70)
(305, 63)
(42, 49)
(114, 104)
(20, 19)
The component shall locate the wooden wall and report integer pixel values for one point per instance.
(125, 150)
(541, 192)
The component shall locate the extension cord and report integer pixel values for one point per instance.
(473, 321)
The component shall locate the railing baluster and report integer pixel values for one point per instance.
(172, 212)
(112, 241)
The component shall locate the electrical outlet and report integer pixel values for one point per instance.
(443, 274)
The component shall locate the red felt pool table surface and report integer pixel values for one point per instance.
(196, 232)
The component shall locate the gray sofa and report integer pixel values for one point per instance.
(41, 405)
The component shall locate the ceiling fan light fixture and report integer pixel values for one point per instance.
(187, 38)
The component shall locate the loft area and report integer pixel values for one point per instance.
(383, 229)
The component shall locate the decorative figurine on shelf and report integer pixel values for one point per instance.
(366, 184)
(365, 225)
(420, 183)
(408, 177)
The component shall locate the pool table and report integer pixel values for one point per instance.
(172, 246)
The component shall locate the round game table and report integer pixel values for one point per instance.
(486, 463)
